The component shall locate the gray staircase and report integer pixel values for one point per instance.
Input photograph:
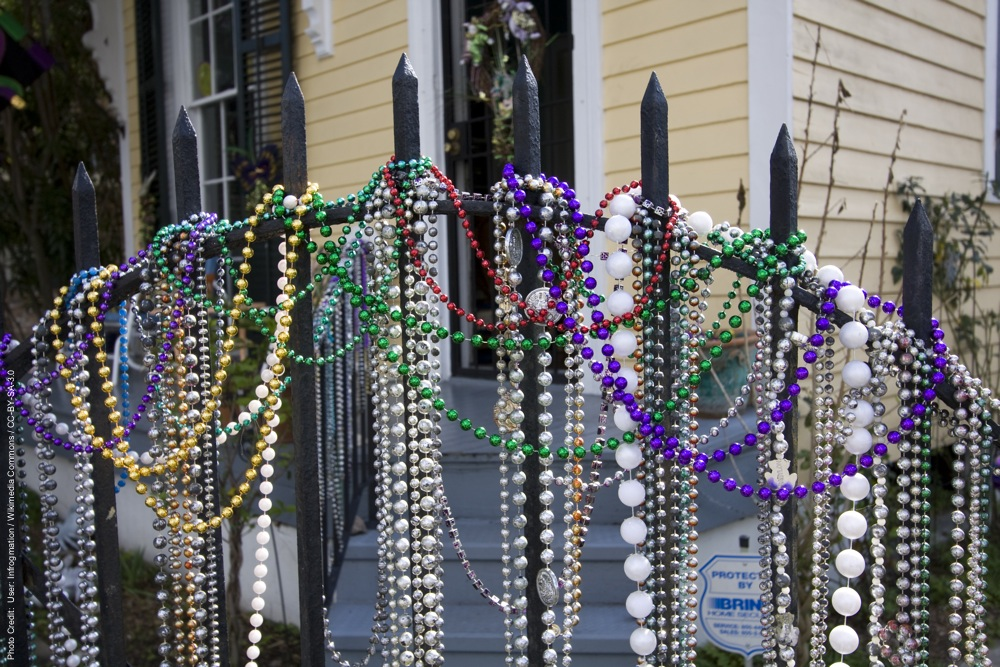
(473, 629)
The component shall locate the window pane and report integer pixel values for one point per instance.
(201, 74)
(211, 142)
(223, 65)
(197, 7)
(213, 199)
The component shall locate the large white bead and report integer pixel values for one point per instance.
(828, 273)
(622, 205)
(854, 335)
(618, 264)
(619, 302)
(852, 525)
(864, 414)
(850, 299)
(850, 563)
(642, 641)
(624, 342)
(844, 639)
(631, 493)
(639, 604)
(856, 487)
(618, 228)
(623, 420)
(700, 222)
(290, 202)
(631, 380)
(856, 374)
(628, 455)
(858, 442)
(810, 261)
(633, 530)
(846, 601)
(637, 567)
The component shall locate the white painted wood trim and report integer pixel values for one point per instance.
(320, 28)
(107, 41)
(425, 45)
(990, 92)
(588, 104)
(769, 103)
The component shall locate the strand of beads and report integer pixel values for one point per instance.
(424, 436)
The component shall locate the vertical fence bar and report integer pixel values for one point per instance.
(918, 281)
(658, 364)
(187, 189)
(17, 651)
(307, 516)
(88, 255)
(918, 272)
(528, 160)
(784, 222)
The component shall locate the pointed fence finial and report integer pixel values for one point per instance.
(405, 111)
(527, 121)
(293, 137)
(918, 272)
(784, 187)
(187, 180)
(653, 143)
(85, 238)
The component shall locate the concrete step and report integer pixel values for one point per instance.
(473, 635)
(603, 555)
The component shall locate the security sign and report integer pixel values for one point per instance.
(730, 603)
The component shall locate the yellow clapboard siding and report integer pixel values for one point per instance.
(686, 146)
(349, 95)
(877, 136)
(972, 6)
(867, 171)
(941, 16)
(714, 70)
(338, 103)
(689, 110)
(955, 50)
(883, 100)
(353, 49)
(676, 44)
(863, 59)
(637, 19)
(859, 202)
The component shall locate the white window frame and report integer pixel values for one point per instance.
(179, 22)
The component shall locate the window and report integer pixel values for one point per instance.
(226, 61)
(213, 110)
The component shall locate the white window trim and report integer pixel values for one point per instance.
(179, 24)
(107, 41)
(424, 51)
(990, 93)
(769, 95)
(588, 105)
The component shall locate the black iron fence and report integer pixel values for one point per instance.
(332, 456)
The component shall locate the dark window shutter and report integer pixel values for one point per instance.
(264, 62)
(155, 205)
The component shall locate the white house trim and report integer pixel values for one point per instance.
(425, 39)
(588, 104)
(320, 28)
(769, 104)
(107, 42)
(990, 91)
